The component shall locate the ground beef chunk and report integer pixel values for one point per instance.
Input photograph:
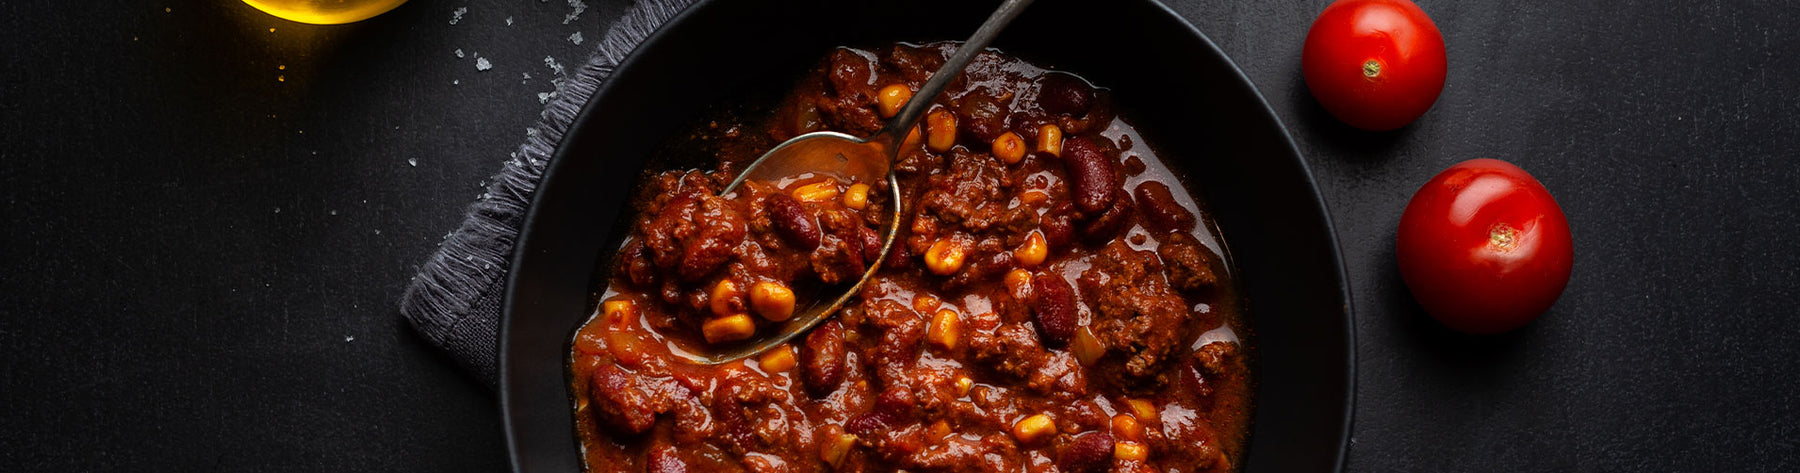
(1133, 306)
(971, 194)
(628, 402)
(694, 233)
(1215, 358)
(851, 104)
(1189, 264)
(1012, 349)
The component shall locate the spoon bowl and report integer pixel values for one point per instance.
(827, 153)
(852, 159)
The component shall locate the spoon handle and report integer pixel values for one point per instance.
(896, 128)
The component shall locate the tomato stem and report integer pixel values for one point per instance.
(1503, 237)
(1371, 69)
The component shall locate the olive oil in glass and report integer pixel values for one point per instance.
(325, 12)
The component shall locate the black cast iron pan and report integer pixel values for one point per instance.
(1176, 87)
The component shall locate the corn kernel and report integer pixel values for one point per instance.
(892, 98)
(772, 300)
(940, 131)
(945, 257)
(945, 329)
(940, 429)
(1130, 451)
(1087, 347)
(1018, 281)
(1050, 140)
(1034, 197)
(816, 192)
(1009, 147)
(962, 386)
(621, 314)
(1034, 428)
(912, 141)
(834, 443)
(728, 329)
(924, 303)
(1033, 251)
(1126, 427)
(1143, 410)
(726, 298)
(779, 359)
(857, 197)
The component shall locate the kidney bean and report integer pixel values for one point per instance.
(1091, 172)
(1055, 309)
(866, 425)
(640, 269)
(619, 401)
(822, 358)
(871, 244)
(1064, 93)
(900, 257)
(895, 403)
(792, 220)
(1115, 219)
(1160, 208)
(892, 408)
(1091, 452)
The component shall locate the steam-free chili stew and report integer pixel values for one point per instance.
(1056, 301)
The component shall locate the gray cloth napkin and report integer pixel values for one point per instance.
(455, 300)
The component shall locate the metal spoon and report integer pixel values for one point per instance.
(856, 160)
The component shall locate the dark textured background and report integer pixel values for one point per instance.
(207, 224)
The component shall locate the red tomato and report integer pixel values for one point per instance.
(1484, 247)
(1375, 64)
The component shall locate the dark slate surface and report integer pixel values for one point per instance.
(202, 248)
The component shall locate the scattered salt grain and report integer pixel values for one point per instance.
(579, 7)
(544, 97)
(555, 67)
(459, 52)
(334, 213)
(456, 82)
(575, 38)
(278, 210)
(509, 21)
(482, 64)
(349, 338)
(456, 15)
(413, 161)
